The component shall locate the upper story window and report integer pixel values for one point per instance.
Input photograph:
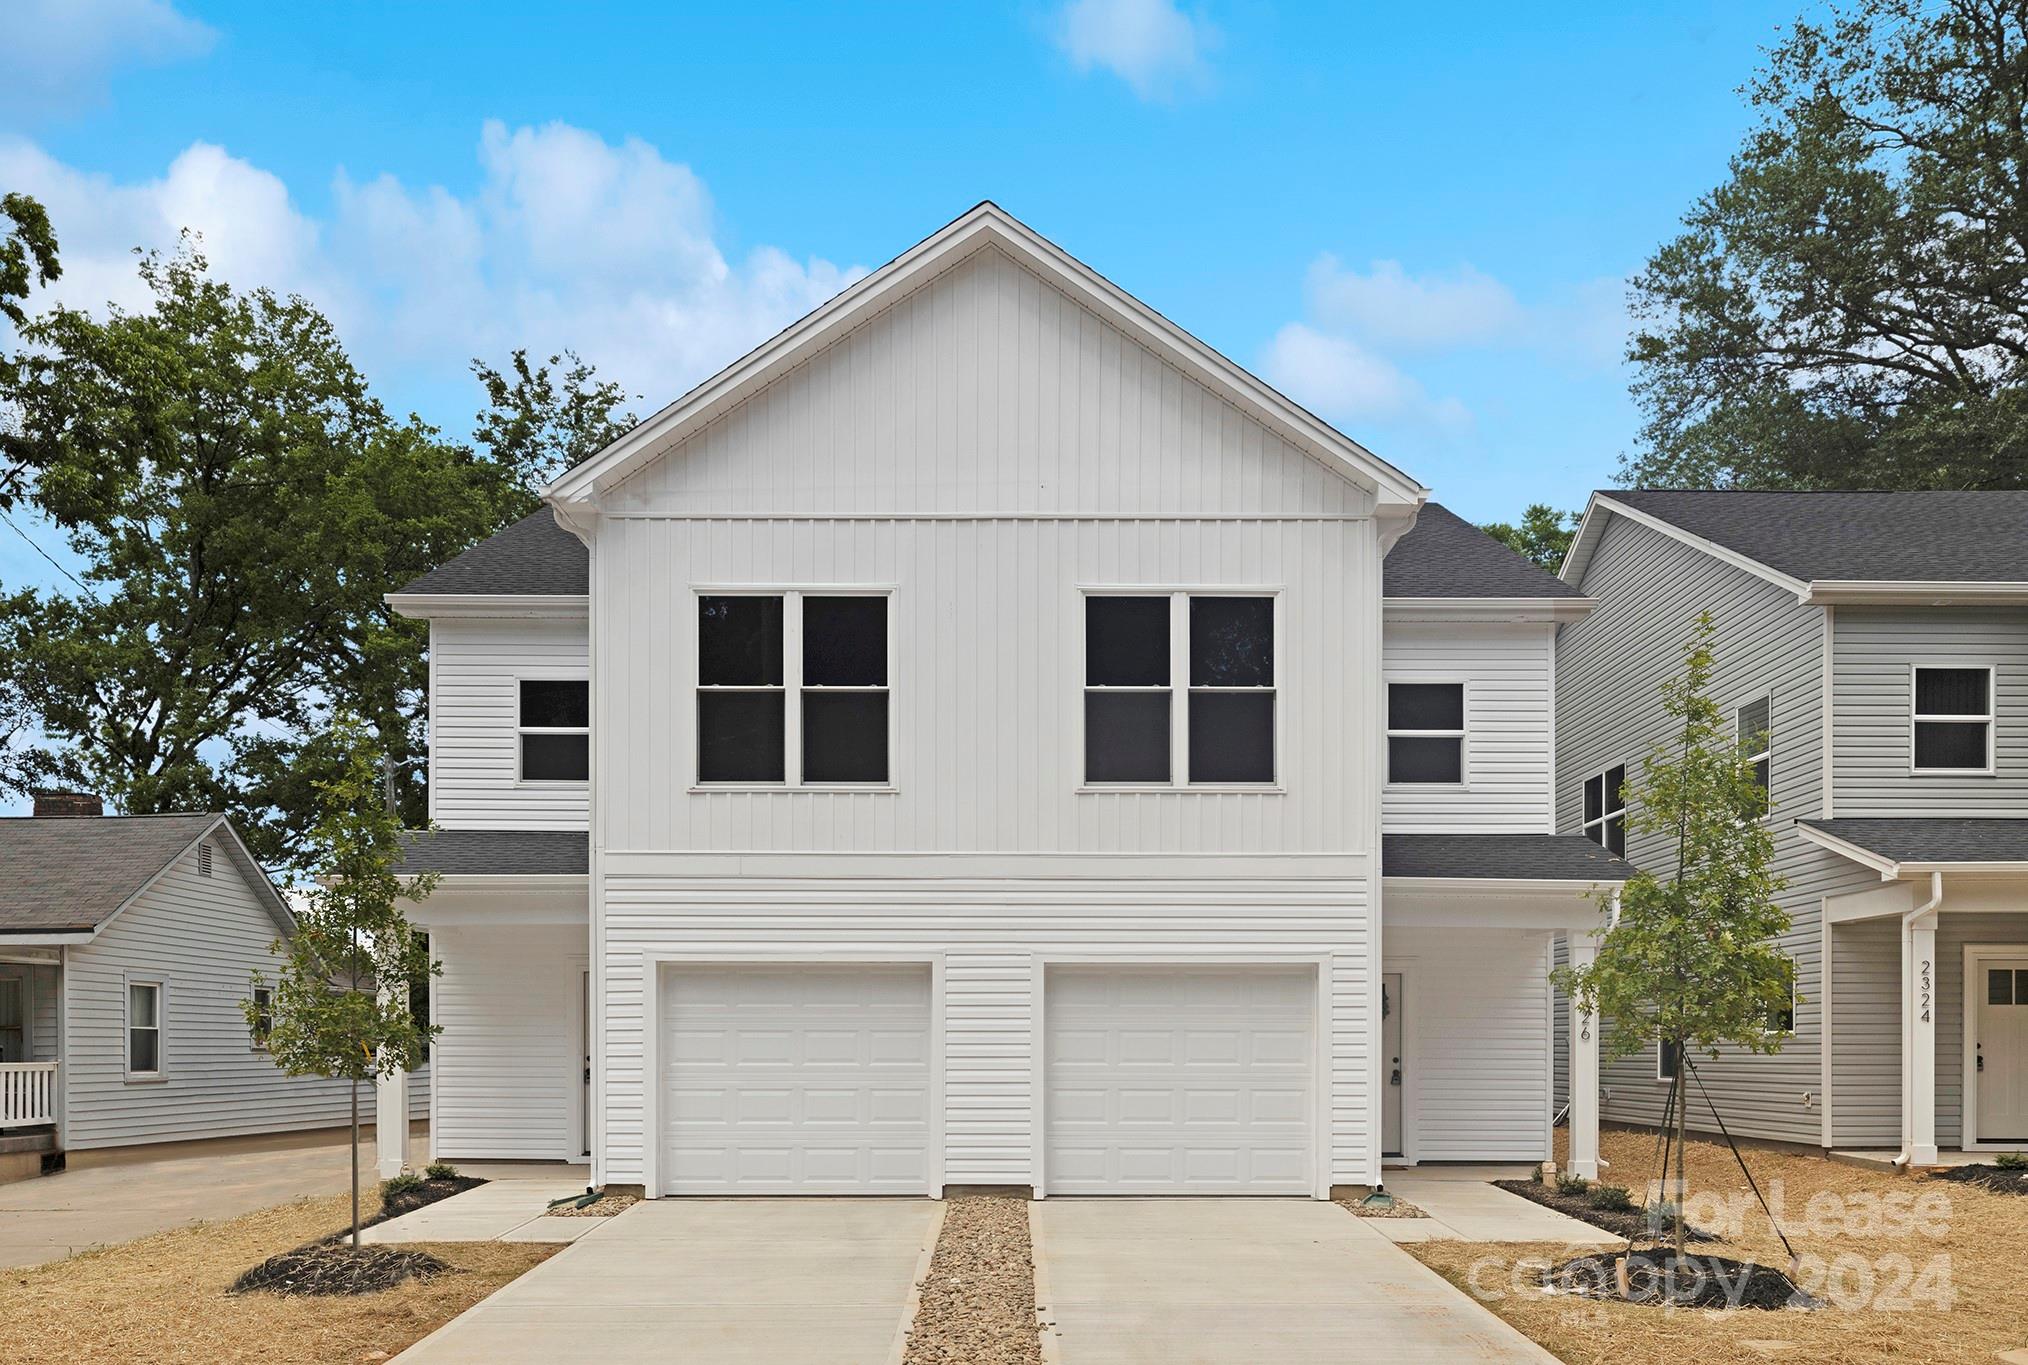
(554, 729)
(1605, 809)
(1753, 724)
(1952, 720)
(830, 649)
(1221, 646)
(1426, 732)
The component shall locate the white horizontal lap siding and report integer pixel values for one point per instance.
(1876, 649)
(1506, 672)
(508, 1070)
(992, 939)
(474, 710)
(1476, 1042)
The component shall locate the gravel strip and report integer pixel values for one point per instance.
(1402, 1209)
(978, 1300)
(604, 1207)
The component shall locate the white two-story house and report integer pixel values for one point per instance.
(985, 737)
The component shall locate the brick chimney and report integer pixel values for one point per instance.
(68, 805)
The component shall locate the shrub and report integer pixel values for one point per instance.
(441, 1170)
(1572, 1184)
(2011, 1161)
(1536, 1174)
(1611, 1199)
(405, 1183)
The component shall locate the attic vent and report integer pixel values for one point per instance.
(204, 860)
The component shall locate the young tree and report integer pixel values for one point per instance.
(1691, 962)
(329, 1014)
(1850, 307)
(1542, 537)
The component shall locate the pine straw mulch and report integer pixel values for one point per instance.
(165, 1298)
(977, 1302)
(1982, 1247)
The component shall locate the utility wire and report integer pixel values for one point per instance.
(46, 555)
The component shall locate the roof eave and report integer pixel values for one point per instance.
(1603, 507)
(1488, 608)
(533, 606)
(43, 938)
(1912, 592)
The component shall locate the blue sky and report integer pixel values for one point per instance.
(1416, 219)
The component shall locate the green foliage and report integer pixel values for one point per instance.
(1611, 1199)
(1542, 537)
(1850, 307)
(542, 421)
(396, 1186)
(27, 254)
(441, 1170)
(2011, 1161)
(1572, 1184)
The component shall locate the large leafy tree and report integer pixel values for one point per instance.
(241, 502)
(27, 253)
(1691, 962)
(1542, 536)
(541, 420)
(1850, 307)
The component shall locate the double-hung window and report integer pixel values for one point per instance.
(144, 1029)
(1149, 656)
(1753, 725)
(1425, 733)
(1952, 722)
(1605, 809)
(754, 650)
(553, 725)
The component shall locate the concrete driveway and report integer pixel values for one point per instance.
(711, 1282)
(1232, 1282)
(52, 1216)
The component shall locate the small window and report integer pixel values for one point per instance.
(204, 860)
(1605, 809)
(1426, 733)
(1753, 726)
(1131, 694)
(2000, 986)
(1783, 1019)
(1953, 720)
(555, 729)
(144, 1028)
(264, 1015)
(1668, 1061)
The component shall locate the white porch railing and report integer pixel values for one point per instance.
(27, 1093)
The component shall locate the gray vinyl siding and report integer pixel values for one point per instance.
(1610, 669)
(1875, 649)
(1866, 1033)
(201, 938)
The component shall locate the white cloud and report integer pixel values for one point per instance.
(1389, 306)
(58, 53)
(569, 241)
(1338, 377)
(1150, 44)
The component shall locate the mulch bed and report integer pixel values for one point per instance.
(1659, 1278)
(323, 1269)
(1998, 1179)
(977, 1303)
(1631, 1224)
(408, 1201)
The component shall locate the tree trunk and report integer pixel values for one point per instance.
(1682, 1141)
(355, 1168)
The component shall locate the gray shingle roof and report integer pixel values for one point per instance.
(1534, 857)
(1964, 537)
(1447, 556)
(497, 852)
(1931, 840)
(61, 876)
(533, 557)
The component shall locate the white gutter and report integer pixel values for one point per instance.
(1910, 1088)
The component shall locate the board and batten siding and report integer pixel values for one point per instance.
(201, 938)
(1506, 672)
(1610, 668)
(475, 669)
(509, 1070)
(1476, 1042)
(1875, 652)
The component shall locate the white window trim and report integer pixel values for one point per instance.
(1766, 751)
(1991, 718)
(1462, 735)
(161, 1026)
(792, 687)
(1606, 810)
(521, 779)
(1178, 688)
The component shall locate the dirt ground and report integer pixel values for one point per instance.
(1914, 1270)
(163, 1298)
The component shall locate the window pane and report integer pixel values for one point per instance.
(1950, 744)
(1760, 776)
(1425, 760)
(739, 641)
(1616, 787)
(551, 705)
(1232, 737)
(144, 1050)
(1126, 736)
(1999, 986)
(1232, 641)
(1950, 691)
(845, 641)
(2021, 987)
(739, 737)
(1594, 798)
(1126, 641)
(844, 736)
(1425, 706)
(1753, 726)
(555, 758)
(1666, 1065)
(1616, 835)
(141, 1007)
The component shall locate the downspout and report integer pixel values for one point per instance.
(1908, 1018)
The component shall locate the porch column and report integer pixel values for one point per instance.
(1583, 1069)
(390, 1123)
(1921, 1058)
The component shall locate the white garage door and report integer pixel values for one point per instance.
(796, 1080)
(1180, 1080)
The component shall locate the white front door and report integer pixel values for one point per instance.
(796, 1079)
(2001, 1052)
(1391, 1003)
(1179, 1080)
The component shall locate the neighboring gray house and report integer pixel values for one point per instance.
(126, 946)
(1880, 640)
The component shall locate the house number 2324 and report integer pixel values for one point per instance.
(1924, 1001)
